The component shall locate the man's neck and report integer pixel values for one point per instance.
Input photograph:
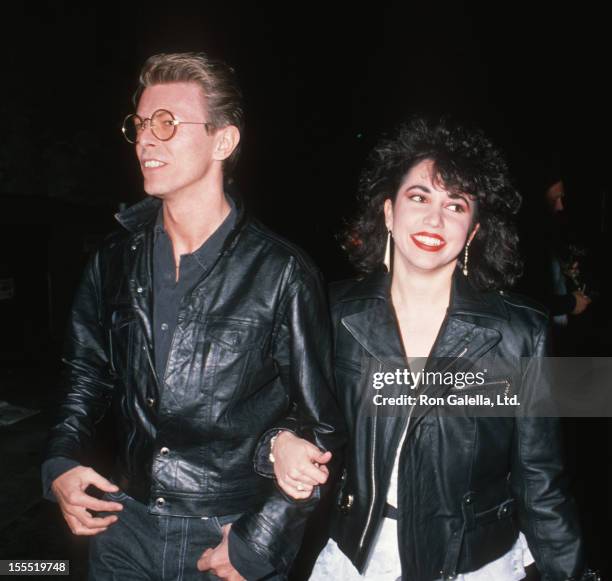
(190, 220)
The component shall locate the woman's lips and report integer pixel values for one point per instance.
(428, 241)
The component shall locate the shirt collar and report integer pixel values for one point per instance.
(214, 242)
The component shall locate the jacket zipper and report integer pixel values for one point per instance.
(505, 382)
(373, 477)
(373, 473)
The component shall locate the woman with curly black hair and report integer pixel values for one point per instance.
(427, 494)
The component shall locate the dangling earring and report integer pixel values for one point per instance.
(467, 248)
(465, 258)
(387, 260)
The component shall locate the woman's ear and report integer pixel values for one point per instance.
(388, 209)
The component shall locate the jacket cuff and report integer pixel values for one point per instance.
(52, 469)
(247, 562)
(275, 542)
(262, 462)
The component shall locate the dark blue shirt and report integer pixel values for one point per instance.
(168, 293)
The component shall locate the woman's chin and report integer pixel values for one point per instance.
(426, 265)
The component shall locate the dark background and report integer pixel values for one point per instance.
(321, 83)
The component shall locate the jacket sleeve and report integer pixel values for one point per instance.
(50, 470)
(302, 350)
(546, 510)
(87, 381)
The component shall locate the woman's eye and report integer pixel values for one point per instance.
(417, 198)
(456, 208)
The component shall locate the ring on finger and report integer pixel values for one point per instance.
(300, 486)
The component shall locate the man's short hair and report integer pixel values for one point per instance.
(216, 79)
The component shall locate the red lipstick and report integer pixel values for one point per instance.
(435, 247)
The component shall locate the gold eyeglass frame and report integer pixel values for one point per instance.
(175, 123)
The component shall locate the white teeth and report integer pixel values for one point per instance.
(429, 241)
(153, 163)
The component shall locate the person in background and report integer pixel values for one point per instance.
(562, 302)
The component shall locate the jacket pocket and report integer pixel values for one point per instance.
(121, 340)
(221, 521)
(235, 358)
(236, 335)
(501, 385)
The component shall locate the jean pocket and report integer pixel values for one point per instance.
(221, 521)
(116, 496)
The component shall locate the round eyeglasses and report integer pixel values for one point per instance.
(162, 124)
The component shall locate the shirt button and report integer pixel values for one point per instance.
(133, 247)
(139, 290)
(159, 502)
(150, 402)
(164, 451)
(164, 326)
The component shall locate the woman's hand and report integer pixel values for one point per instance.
(299, 466)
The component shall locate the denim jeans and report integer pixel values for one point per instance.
(141, 546)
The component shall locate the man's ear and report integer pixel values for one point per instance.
(226, 141)
(388, 210)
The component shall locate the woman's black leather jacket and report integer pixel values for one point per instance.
(466, 484)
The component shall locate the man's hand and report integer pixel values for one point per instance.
(217, 560)
(298, 465)
(75, 503)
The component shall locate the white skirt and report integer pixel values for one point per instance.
(384, 563)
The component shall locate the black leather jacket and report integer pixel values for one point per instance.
(252, 344)
(466, 484)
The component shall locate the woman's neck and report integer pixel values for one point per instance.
(420, 300)
(417, 291)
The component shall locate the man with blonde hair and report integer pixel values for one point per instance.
(199, 330)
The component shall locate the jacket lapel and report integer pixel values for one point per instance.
(464, 336)
(377, 331)
(460, 343)
(464, 332)
(463, 339)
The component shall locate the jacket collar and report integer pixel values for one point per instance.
(139, 215)
(144, 214)
(464, 332)
(465, 299)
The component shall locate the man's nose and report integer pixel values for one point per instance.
(145, 135)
